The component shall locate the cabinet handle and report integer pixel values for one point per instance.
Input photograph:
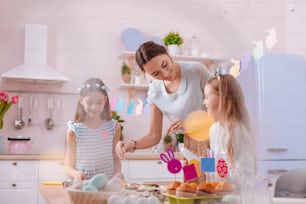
(14, 163)
(14, 185)
(159, 162)
(277, 171)
(277, 149)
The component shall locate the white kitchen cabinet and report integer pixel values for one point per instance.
(18, 181)
(147, 170)
(50, 170)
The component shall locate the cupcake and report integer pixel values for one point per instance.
(205, 188)
(171, 187)
(186, 190)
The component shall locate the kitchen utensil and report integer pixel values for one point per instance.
(49, 121)
(19, 123)
(19, 145)
(30, 111)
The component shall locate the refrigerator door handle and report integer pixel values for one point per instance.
(277, 149)
(277, 171)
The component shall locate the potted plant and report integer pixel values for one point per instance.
(173, 40)
(126, 73)
(168, 142)
(119, 120)
(180, 141)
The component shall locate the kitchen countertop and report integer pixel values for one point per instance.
(128, 156)
(148, 156)
(32, 157)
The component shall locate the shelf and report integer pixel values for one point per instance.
(204, 60)
(133, 86)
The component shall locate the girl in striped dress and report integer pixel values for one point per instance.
(92, 135)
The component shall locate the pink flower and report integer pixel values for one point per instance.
(15, 99)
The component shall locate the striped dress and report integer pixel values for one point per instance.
(94, 148)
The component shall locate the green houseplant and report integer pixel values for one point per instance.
(119, 120)
(126, 73)
(173, 38)
(168, 142)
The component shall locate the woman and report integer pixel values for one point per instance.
(176, 91)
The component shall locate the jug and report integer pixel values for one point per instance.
(18, 145)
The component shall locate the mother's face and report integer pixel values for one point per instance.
(161, 67)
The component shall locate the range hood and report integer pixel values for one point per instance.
(35, 68)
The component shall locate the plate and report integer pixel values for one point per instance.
(132, 38)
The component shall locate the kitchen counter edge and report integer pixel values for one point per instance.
(32, 157)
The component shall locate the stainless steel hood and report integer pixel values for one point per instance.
(35, 68)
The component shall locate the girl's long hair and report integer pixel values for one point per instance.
(232, 107)
(92, 84)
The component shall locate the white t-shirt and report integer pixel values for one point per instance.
(244, 159)
(189, 96)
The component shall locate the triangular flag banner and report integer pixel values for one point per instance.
(139, 107)
(112, 103)
(130, 107)
(119, 105)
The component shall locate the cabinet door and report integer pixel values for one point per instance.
(51, 170)
(24, 192)
(149, 170)
(16, 170)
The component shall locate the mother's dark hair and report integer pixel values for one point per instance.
(147, 51)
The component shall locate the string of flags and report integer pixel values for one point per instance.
(137, 106)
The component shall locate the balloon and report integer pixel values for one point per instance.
(197, 125)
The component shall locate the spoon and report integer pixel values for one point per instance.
(30, 112)
(49, 122)
(19, 123)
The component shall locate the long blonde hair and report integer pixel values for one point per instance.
(92, 84)
(232, 106)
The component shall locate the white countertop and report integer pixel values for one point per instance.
(289, 201)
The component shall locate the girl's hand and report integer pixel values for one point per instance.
(175, 126)
(79, 176)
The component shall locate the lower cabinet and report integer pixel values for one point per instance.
(50, 170)
(147, 170)
(18, 182)
(19, 179)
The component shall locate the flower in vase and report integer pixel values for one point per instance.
(5, 104)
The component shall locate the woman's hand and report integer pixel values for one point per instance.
(175, 126)
(122, 147)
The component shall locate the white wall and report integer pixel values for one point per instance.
(84, 41)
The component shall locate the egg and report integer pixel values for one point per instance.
(141, 200)
(231, 199)
(89, 188)
(113, 185)
(98, 180)
(114, 199)
(128, 200)
(153, 200)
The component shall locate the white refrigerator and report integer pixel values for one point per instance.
(275, 93)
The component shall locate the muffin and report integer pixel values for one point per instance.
(225, 187)
(186, 190)
(171, 187)
(205, 188)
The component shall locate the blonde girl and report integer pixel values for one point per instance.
(231, 134)
(92, 135)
